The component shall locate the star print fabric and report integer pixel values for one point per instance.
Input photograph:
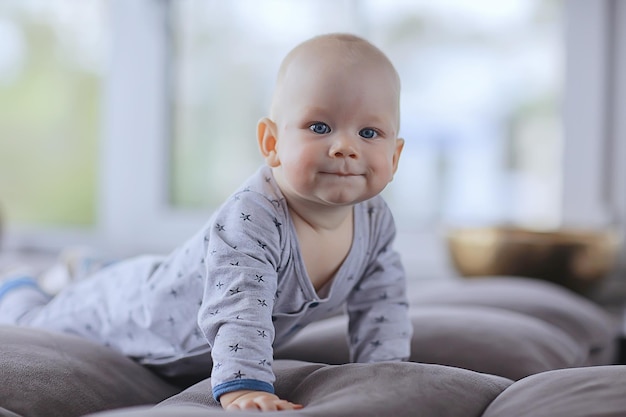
(238, 288)
(264, 287)
(244, 254)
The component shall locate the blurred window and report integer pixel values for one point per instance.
(51, 61)
(482, 88)
(481, 99)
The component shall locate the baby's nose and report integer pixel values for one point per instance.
(343, 147)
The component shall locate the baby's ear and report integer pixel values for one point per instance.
(266, 135)
(396, 153)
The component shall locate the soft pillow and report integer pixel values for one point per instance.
(364, 390)
(584, 321)
(480, 339)
(581, 392)
(6, 413)
(50, 374)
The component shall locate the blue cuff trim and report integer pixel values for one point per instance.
(240, 384)
(17, 283)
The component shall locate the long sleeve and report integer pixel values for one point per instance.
(243, 251)
(379, 326)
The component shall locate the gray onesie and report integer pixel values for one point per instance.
(237, 289)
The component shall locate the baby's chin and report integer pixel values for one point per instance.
(343, 199)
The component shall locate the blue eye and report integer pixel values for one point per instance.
(320, 128)
(368, 133)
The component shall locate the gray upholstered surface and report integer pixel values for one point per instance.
(6, 413)
(48, 375)
(481, 339)
(581, 392)
(588, 324)
(364, 390)
(511, 327)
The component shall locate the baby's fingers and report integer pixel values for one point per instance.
(267, 404)
(286, 405)
(262, 402)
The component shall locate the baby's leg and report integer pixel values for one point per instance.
(20, 299)
(75, 310)
(104, 308)
(23, 293)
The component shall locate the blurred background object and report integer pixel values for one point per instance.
(578, 259)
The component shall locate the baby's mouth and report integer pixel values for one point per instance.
(340, 173)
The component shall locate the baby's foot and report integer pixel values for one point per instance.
(73, 264)
(18, 277)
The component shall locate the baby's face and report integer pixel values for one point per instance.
(336, 129)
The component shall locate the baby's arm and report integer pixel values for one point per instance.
(380, 328)
(243, 255)
(255, 400)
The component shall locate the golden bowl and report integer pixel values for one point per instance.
(578, 259)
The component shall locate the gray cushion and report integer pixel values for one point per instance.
(481, 339)
(582, 392)
(589, 325)
(364, 390)
(49, 375)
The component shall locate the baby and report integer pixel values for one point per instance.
(304, 238)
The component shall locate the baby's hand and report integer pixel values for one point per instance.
(255, 400)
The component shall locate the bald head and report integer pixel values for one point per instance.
(337, 52)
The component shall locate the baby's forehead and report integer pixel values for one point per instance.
(327, 60)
